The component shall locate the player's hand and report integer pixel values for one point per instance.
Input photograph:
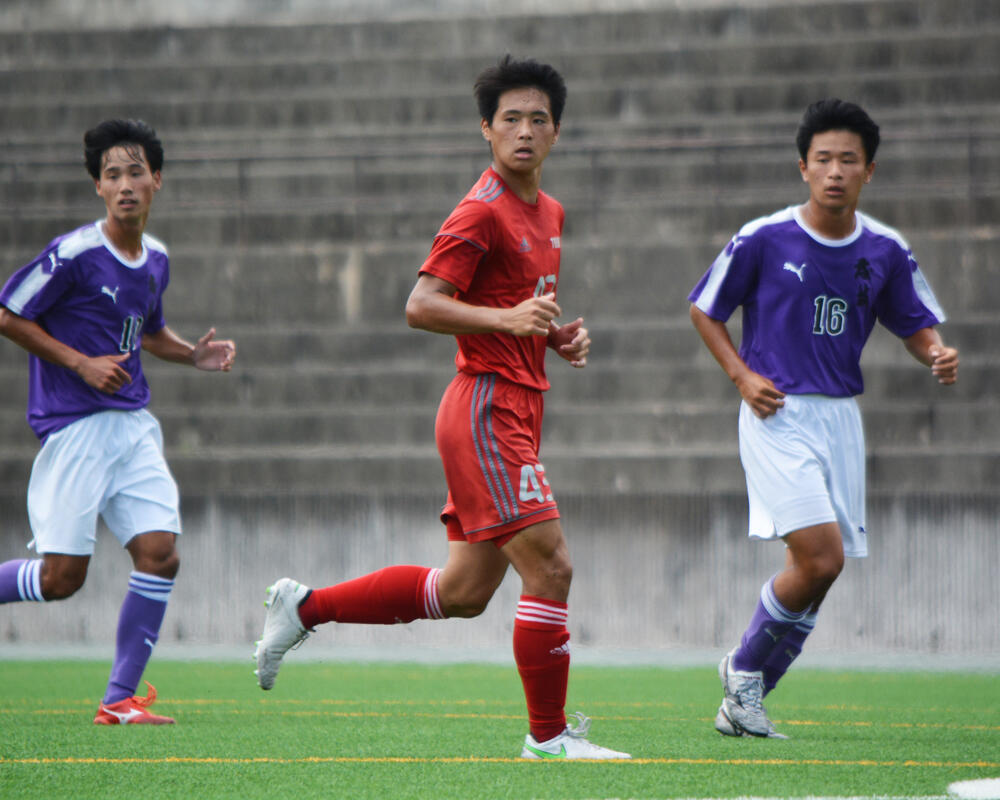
(531, 317)
(944, 363)
(104, 373)
(214, 356)
(571, 341)
(761, 395)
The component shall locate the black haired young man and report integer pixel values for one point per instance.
(490, 280)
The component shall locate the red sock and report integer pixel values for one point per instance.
(541, 651)
(391, 595)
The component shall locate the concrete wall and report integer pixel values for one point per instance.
(652, 573)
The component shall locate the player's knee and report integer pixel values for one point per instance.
(58, 585)
(155, 555)
(557, 576)
(165, 565)
(824, 571)
(468, 603)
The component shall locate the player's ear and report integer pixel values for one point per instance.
(802, 170)
(157, 180)
(869, 171)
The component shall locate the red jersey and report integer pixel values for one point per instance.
(498, 251)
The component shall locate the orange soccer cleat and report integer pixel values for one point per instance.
(131, 711)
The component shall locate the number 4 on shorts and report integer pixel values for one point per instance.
(531, 486)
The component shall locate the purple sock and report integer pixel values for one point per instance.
(770, 623)
(138, 629)
(787, 651)
(20, 580)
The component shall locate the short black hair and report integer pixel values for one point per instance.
(509, 74)
(833, 114)
(114, 132)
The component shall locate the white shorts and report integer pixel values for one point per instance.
(110, 463)
(805, 466)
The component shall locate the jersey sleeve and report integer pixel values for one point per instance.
(906, 303)
(465, 237)
(723, 288)
(36, 287)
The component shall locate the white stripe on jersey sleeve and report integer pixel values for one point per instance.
(28, 288)
(154, 244)
(720, 267)
(920, 284)
(80, 241)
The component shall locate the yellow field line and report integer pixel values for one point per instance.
(271, 707)
(765, 762)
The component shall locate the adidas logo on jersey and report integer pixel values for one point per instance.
(525, 245)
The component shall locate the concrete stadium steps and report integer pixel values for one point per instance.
(575, 173)
(696, 61)
(684, 213)
(608, 383)
(354, 141)
(647, 98)
(395, 430)
(620, 468)
(699, 59)
(645, 263)
(554, 32)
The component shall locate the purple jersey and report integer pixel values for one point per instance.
(88, 296)
(810, 303)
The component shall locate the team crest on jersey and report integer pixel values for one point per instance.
(863, 275)
(556, 242)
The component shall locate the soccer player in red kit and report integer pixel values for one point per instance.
(490, 280)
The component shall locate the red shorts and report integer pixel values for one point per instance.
(488, 431)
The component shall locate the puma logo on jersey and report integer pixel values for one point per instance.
(113, 295)
(797, 270)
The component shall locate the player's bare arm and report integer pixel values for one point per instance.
(432, 306)
(207, 354)
(928, 348)
(99, 372)
(571, 341)
(760, 393)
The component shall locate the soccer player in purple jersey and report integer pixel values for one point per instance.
(83, 309)
(812, 281)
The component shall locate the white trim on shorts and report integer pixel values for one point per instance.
(109, 464)
(805, 466)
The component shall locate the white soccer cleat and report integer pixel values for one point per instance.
(571, 743)
(283, 629)
(725, 726)
(742, 708)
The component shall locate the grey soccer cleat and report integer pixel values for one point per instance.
(725, 726)
(742, 707)
(283, 629)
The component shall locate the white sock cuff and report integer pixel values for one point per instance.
(777, 611)
(548, 613)
(29, 581)
(152, 587)
(432, 600)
